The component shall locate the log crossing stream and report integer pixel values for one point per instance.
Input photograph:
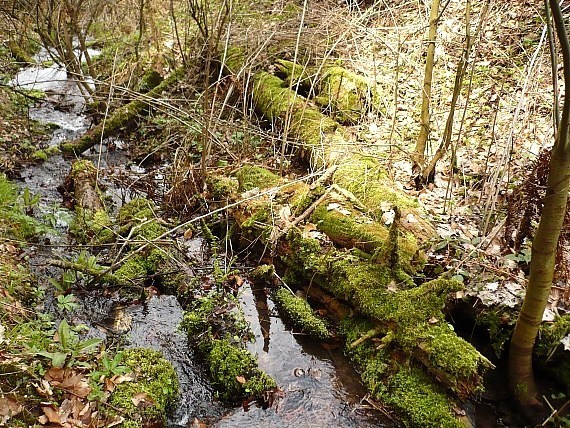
(320, 387)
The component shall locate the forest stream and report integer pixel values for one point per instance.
(320, 388)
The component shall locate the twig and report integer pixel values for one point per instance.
(303, 216)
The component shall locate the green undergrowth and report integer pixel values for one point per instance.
(14, 222)
(299, 313)
(217, 327)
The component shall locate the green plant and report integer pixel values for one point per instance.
(110, 367)
(66, 302)
(30, 200)
(67, 280)
(65, 350)
(524, 256)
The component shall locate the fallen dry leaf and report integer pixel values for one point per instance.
(9, 407)
(142, 399)
(241, 379)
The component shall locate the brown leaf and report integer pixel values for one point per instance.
(241, 379)
(43, 388)
(52, 415)
(188, 234)
(118, 379)
(114, 422)
(142, 400)
(71, 381)
(9, 407)
(57, 374)
(110, 385)
(81, 389)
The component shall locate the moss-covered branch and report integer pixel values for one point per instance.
(121, 117)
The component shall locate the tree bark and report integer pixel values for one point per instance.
(418, 157)
(544, 244)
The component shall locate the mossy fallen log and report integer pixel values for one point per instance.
(407, 319)
(325, 142)
(299, 313)
(121, 117)
(344, 95)
(92, 222)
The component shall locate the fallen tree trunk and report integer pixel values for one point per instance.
(346, 250)
(121, 117)
(408, 319)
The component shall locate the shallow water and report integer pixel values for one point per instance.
(321, 388)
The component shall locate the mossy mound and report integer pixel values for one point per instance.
(300, 314)
(250, 177)
(154, 389)
(218, 329)
(235, 372)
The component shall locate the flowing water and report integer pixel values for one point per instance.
(320, 389)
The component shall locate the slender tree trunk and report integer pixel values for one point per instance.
(544, 244)
(418, 158)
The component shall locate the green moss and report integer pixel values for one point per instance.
(551, 334)
(412, 394)
(230, 366)
(218, 330)
(299, 313)
(134, 268)
(302, 198)
(222, 187)
(39, 156)
(353, 328)
(359, 231)
(214, 316)
(250, 177)
(412, 316)
(83, 166)
(140, 215)
(155, 382)
(367, 180)
(89, 226)
(149, 80)
(132, 210)
(344, 94)
(263, 274)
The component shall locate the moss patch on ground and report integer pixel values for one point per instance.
(154, 389)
